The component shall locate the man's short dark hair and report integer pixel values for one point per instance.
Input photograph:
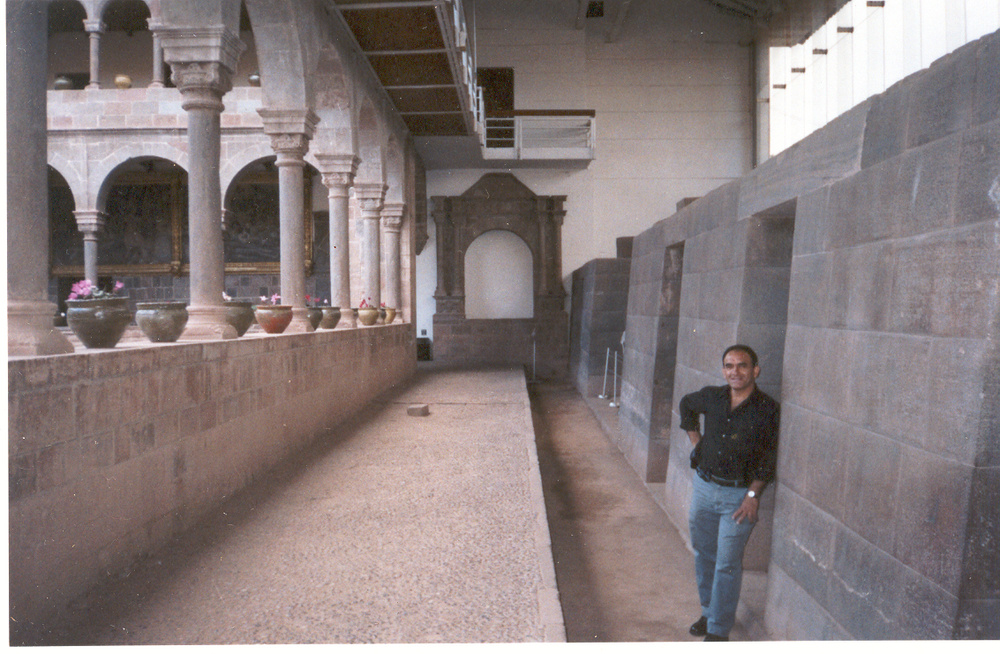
(742, 348)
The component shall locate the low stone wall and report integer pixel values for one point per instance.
(112, 452)
(538, 344)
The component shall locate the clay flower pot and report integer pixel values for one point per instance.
(390, 315)
(331, 316)
(315, 315)
(239, 314)
(161, 322)
(98, 323)
(367, 316)
(273, 318)
(123, 81)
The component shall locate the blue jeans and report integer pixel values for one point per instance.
(718, 543)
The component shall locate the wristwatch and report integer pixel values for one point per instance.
(754, 494)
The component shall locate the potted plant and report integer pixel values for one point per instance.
(314, 313)
(239, 313)
(367, 314)
(273, 317)
(161, 322)
(331, 316)
(97, 317)
(390, 313)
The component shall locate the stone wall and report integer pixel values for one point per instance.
(863, 265)
(112, 452)
(600, 296)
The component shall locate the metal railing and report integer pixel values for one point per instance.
(540, 135)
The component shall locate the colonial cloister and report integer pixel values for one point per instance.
(576, 189)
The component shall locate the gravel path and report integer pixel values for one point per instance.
(392, 529)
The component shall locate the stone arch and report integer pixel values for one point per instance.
(371, 143)
(287, 42)
(235, 163)
(490, 295)
(71, 174)
(65, 240)
(102, 173)
(395, 171)
(336, 131)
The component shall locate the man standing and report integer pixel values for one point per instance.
(734, 460)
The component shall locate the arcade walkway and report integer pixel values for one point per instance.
(410, 529)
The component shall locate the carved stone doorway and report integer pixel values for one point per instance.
(499, 201)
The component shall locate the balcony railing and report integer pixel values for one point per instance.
(540, 135)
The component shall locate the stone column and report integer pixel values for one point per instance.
(370, 197)
(290, 131)
(338, 175)
(90, 222)
(94, 28)
(202, 63)
(157, 82)
(29, 312)
(392, 223)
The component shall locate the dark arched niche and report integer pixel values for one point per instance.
(501, 201)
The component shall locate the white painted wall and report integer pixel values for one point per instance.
(499, 282)
(672, 97)
(886, 44)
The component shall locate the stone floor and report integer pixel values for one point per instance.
(401, 529)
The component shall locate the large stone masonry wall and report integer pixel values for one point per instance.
(113, 452)
(882, 231)
(600, 296)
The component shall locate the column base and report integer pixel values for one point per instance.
(300, 322)
(208, 323)
(347, 319)
(30, 331)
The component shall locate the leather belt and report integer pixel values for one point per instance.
(721, 481)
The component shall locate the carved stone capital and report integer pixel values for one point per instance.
(89, 221)
(289, 121)
(96, 25)
(200, 44)
(370, 197)
(338, 170)
(392, 216)
(290, 147)
(202, 84)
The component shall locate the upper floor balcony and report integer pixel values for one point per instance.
(526, 135)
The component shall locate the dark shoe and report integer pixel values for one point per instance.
(712, 638)
(699, 628)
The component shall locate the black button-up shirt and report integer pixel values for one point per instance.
(741, 444)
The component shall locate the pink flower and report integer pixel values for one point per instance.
(119, 286)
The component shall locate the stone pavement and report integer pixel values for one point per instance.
(392, 529)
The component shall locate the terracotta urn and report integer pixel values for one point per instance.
(273, 318)
(367, 316)
(161, 322)
(331, 316)
(390, 315)
(98, 323)
(315, 315)
(239, 314)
